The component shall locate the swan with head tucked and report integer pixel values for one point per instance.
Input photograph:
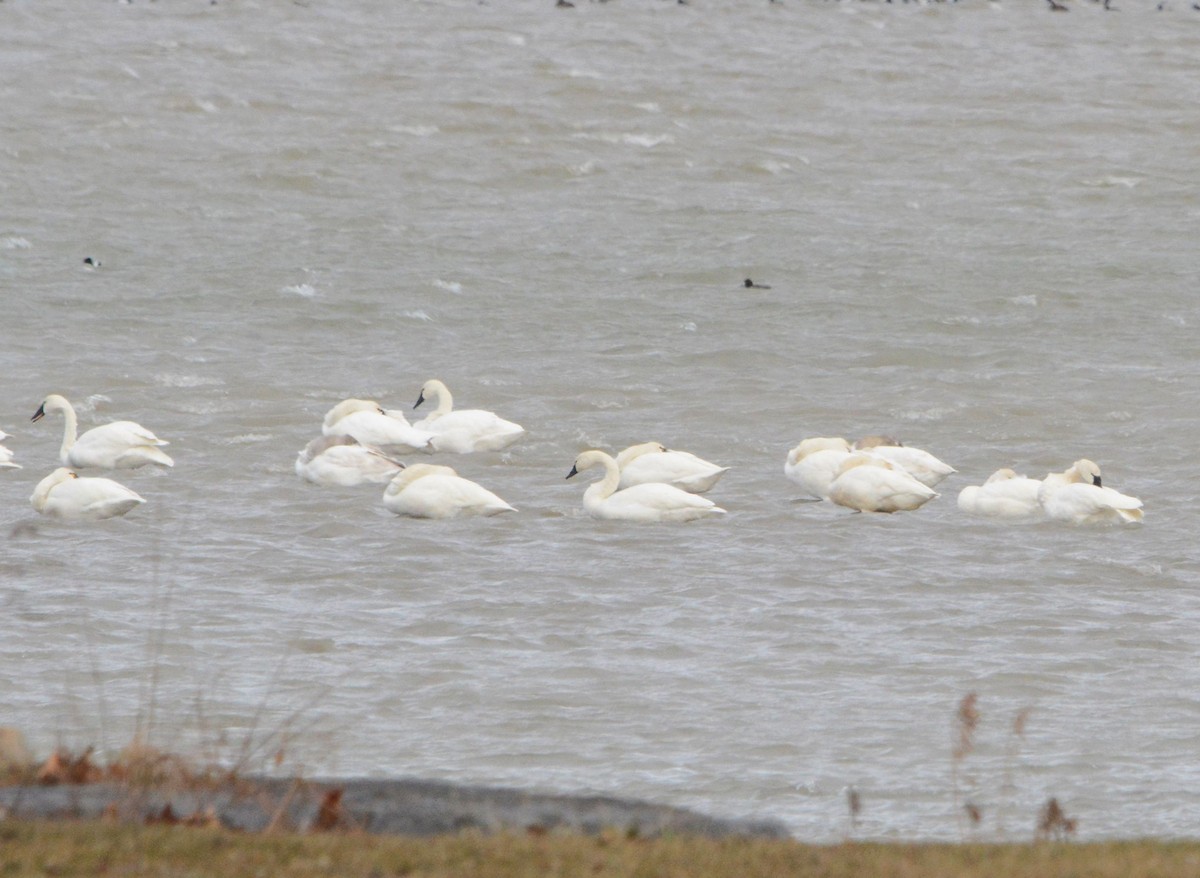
(652, 462)
(343, 461)
(465, 430)
(653, 501)
(369, 424)
(872, 484)
(1077, 496)
(1004, 495)
(814, 464)
(919, 464)
(63, 494)
(119, 445)
(425, 490)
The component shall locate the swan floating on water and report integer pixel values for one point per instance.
(814, 464)
(871, 484)
(1077, 496)
(646, 502)
(118, 445)
(652, 462)
(6, 455)
(367, 422)
(919, 464)
(426, 490)
(343, 461)
(1004, 495)
(63, 494)
(465, 430)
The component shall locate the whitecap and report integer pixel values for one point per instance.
(1029, 301)
(15, 243)
(649, 141)
(305, 290)
(449, 285)
(416, 130)
(418, 315)
(165, 379)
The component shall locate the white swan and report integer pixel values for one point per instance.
(366, 421)
(465, 430)
(425, 490)
(652, 462)
(814, 464)
(1004, 495)
(343, 461)
(1077, 495)
(6, 455)
(63, 494)
(647, 502)
(872, 484)
(921, 465)
(119, 445)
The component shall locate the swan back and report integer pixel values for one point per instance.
(870, 484)
(652, 462)
(431, 491)
(1005, 494)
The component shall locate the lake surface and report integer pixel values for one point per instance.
(978, 222)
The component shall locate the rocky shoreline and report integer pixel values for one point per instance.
(394, 807)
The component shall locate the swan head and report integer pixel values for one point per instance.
(432, 389)
(633, 452)
(1002, 474)
(875, 441)
(1086, 471)
(42, 492)
(589, 459)
(51, 403)
(815, 444)
(349, 407)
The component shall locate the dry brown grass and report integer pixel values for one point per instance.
(68, 849)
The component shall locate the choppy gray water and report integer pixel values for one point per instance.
(979, 225)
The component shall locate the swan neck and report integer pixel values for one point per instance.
(607, 486)
(70, 429)
(445, 402)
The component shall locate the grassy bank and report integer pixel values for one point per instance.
(65, 849)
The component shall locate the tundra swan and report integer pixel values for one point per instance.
(366, 421)
(63, 494)
(919, 464)
(119, 445)
(646, 502)
(652, 462)
(425, 490)
(465, 430)
(814, 464)
(1077, 495)
(872, 484)
(1004, 495)
(341, 460)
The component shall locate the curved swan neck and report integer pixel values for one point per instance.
(70, 421)
(441, 395)
(603, 488)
